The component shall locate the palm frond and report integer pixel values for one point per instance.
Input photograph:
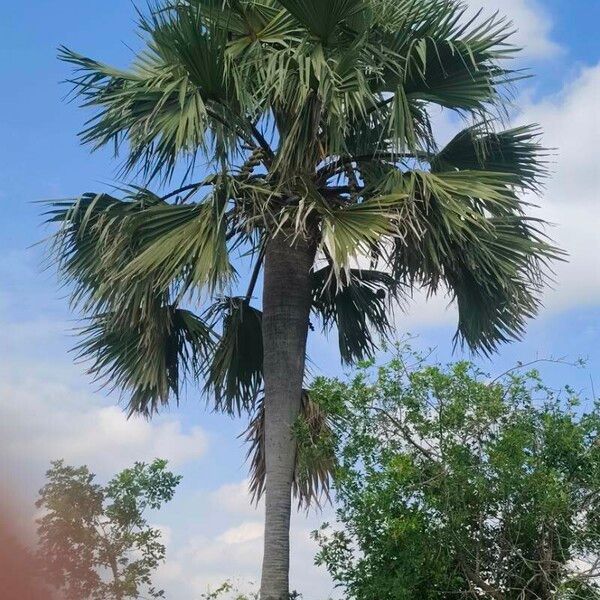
(150, 358)
(467, 231)
(437, 55)
(94, 243)
(172, 103)
(514, 151)
(186, 243)
(359, 309)
(315, 457)
(235, 372)
(324, 19)
(351, 232)
(249, 24)
(496, 299)
(447, 57)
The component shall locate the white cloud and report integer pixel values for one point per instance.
(48, 410)
(234, 499)
(204, 561)
(246, 532)
(42, 420)
(421, 310)
(571, 201)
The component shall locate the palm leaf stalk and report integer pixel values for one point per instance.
(314, 120)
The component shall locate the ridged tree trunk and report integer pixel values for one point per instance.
(286, 308)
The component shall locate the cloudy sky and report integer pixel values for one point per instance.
(49, 408)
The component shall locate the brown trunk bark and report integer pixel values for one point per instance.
(286, 308)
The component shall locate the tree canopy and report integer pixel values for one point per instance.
(310, 119)
(454, 485)
(94, 541)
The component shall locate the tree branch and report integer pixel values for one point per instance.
(481, 583)
(406, 434)
(381, 104)
(331, 168)
(262, 142)
(518, 367)
(340, 189)
(185, 188)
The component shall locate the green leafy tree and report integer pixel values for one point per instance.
(228, 590)
(312, 119)
(94, 541)
(454, 486)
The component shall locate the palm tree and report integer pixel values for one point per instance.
(321, 167)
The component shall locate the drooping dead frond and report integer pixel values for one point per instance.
(315, 458)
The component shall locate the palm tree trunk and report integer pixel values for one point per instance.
(286, 308)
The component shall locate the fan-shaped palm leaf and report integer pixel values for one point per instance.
(95, 243)
(353, 231)
(235, 372)
(358, 310)
(182, 242)
(515, 151)
(467, 231)
(324, 19)
(150, 358)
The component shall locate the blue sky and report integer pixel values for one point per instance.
(49, 408)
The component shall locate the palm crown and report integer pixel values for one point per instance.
(314, 121)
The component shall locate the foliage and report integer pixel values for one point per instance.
(452, 485)
(94, 541)
(313, 120)
(229, 591)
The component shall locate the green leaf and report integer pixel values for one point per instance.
(323, 19)
(466, 231)
(351, 233)
(172, 103)
(514, 151)
(94, 244)
(182, 243)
